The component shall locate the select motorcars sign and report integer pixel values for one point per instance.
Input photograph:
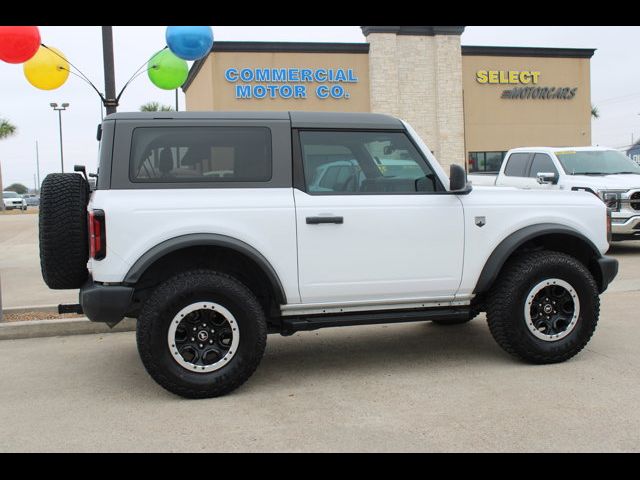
(524, 78)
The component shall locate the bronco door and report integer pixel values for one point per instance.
(373, 223)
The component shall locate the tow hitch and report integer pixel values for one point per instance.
(70, 308)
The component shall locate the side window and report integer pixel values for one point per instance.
(517, 165)
(351, 162)
(200, 154)
(485, 161)
(542, 163)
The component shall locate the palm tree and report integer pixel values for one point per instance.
(155, 107)
(6, 130)
(594, 112)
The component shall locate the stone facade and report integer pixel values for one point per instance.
(418, 77)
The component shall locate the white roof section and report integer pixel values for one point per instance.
(592, 148)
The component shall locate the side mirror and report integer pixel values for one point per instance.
(547, 178)
(458, 180)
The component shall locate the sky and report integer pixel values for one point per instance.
(614, 86)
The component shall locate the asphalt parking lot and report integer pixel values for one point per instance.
(22, 283)
(404, 387)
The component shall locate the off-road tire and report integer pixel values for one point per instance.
(505, 306)
(173, 295)
(64, 237)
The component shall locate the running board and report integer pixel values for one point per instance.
(291, 325)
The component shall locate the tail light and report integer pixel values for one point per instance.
(609, 225)
(97, 235)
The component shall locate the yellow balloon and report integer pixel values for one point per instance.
(48, 69)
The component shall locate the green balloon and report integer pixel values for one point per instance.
(166, 70)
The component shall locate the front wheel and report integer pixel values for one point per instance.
(201, 334)
(544, 307)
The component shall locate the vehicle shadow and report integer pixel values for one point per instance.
(354, 353)
(623, 248)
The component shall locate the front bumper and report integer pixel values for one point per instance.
(627, 227)
(105, 303)
(608, 270)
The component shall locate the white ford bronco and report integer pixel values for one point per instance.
(215, 229)
(604, 172)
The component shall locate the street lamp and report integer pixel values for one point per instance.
(59, 110)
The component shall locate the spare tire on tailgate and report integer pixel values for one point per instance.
(64, 242)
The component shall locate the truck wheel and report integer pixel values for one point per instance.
(63, 231)
(544, 307)
(201, 334)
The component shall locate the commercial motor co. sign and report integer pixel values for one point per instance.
(527, 82)
(291, 83)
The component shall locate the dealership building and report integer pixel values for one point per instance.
(470, 104)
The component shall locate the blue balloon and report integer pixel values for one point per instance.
(190, 43)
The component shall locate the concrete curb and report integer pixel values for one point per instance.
(59, 327)
(25, 309)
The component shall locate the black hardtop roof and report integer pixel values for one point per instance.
(298, 119)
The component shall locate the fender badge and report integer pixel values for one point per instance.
(481, 221)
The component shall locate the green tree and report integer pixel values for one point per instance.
(155, 107)
(594, 112)
(19, 188)
(6, 130)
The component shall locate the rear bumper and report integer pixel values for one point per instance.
(105, 303)
(608, 271)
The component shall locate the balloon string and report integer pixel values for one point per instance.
(80, 71)
(131, 80)
(136, 74)
(82, 76)
(83, 79)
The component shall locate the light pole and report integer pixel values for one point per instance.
(59, 110)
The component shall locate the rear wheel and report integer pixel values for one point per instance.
(201, 334)
(544, 307)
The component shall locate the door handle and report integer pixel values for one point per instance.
(317, 220)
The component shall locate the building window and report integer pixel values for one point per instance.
(489, 162)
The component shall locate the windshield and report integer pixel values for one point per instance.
(596, 162)
(10, 195)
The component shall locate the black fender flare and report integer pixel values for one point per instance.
(205, 239)
(511, 243)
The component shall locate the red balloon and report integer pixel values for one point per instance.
(18, 44)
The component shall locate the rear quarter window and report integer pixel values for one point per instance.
(200, 154)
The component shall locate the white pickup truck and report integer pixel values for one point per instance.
(213, 229)
(604, 172)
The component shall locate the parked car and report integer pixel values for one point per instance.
(609, 174)
(32, 199)
(13, 201)
(209, 265)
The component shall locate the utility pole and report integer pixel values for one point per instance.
(176, 99)
(37, 168)
(110, 103)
